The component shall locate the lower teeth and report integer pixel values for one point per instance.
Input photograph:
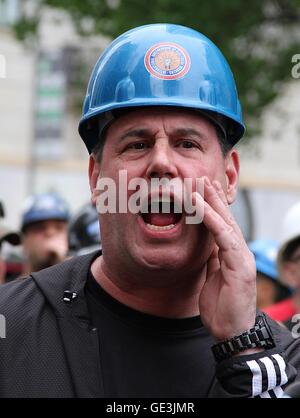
(160, 228)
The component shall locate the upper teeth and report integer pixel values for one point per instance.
(160, 228)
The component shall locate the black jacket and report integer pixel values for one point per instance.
(50, 348)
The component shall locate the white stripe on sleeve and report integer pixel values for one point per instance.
(257, 377)
(271, 376)
(271, 372)
(281, 364)
(278, 392)
(265, 395)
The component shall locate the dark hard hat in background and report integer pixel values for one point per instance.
(84, 230)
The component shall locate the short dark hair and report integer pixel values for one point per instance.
(98, 148)
(290, 249)
(223, 141)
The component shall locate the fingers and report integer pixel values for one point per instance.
(222, 231)
(220, 222)
(215, 197)
(233, 250)
(220, 191)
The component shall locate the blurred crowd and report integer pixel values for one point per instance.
(278, 271)
(49, 234)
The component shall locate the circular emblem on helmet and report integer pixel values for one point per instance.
(167, 61)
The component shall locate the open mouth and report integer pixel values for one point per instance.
(161, 214)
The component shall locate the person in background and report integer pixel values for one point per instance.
(44, 228)
(269, 289)
(6, 235)
(288, 264)
(84, 231)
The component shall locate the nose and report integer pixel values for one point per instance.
(161, 161)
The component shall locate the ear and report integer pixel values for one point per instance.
(94, 171)
(232, 169)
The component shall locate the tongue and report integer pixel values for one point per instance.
(160, 219)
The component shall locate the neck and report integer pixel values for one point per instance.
(178, 300)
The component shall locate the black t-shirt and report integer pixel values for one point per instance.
(147, 356)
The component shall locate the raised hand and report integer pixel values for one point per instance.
(228, 298)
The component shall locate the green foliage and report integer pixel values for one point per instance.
(25, 27)
(260, 59)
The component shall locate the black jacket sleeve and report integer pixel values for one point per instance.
(264, 374)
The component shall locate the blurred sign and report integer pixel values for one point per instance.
(50, 105)
(9, 11)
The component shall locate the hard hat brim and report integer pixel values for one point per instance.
(89, 124)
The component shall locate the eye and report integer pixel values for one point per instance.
(186, 144)
(137, 146)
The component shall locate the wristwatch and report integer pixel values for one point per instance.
(260, 336)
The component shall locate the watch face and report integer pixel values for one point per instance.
(265, 330)
(261, 321)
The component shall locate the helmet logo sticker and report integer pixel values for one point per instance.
(167, 61)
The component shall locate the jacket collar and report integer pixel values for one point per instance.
(78, 336)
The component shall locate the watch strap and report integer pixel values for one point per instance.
(260, 336)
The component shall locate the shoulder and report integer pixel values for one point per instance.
(28, 297)
(20, 303)
(11, 293)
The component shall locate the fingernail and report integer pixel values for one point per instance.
(194, 194)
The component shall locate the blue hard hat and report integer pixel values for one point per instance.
(265, 252)
(161, 65)
(42, 207)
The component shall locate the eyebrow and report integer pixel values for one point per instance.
(134, 133)
(146, 133)
(189, 132)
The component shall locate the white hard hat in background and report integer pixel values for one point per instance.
(291, 224)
